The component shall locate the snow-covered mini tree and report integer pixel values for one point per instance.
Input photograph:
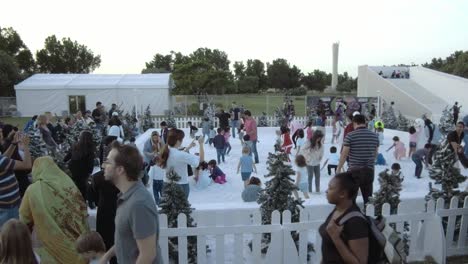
(210, 113)
(171, 123)
(173, 203)
(389, 118)
(389, 192)
(280, 118)
(262, 120)
(403, 122)
(130, 124)
(277, 194)
(147, 121)
(446, 124)
(444, 172)
(37, 146)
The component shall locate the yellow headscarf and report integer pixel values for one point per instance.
(53, 205)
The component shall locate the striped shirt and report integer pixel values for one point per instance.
(9, 191)
(362, 145)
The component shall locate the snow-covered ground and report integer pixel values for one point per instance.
(228, 196)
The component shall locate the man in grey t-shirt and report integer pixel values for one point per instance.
(136, 220)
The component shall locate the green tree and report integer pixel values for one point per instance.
(239, 70)
(9, 74)
(16, 61)
(257, 68)
(66, 56)
(456, 63)
(248, 84)
(281, 75)
(160, 64)
(389, 192)
(347, 86)
(316, 80)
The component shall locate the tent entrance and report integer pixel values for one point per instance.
(76, 103)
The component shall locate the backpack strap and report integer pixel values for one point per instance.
(350, 215)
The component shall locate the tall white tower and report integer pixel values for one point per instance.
(334, 82)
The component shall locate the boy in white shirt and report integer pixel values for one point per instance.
(332, 160)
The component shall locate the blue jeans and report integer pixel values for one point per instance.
(157, 190)
(419, 166)
(227, 148)
(254, 150)
(7, 214)
(234, 125)
(207, 136)
(186, 189)
(220, 155)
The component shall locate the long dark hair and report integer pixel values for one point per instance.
(173, 136)
(115, 121)
(84, 148)
(16, 245)
(313, 141)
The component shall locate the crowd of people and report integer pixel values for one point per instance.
(53, 206)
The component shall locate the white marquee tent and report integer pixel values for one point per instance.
(68, 93)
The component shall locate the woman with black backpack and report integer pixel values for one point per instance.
(345, 239)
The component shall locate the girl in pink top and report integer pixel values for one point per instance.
(309, 130)
(400, 150)
(413, 139)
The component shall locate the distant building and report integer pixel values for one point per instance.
(68, 93)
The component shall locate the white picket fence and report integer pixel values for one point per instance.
(228, 237)
(181, 122)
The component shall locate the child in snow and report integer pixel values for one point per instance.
(400, 150)
(371, 123)
(420, 156)
(300, 140)
(241, 133)
(332, 160)
(227, 146)
(309, 130)
(90, 247)
(247, 143)
(212, 135)
(396, 169)
(380, 134)
(252, 191)
(193, 129)
(219, 143)
(157, 174)
(246, 166)
(337, 128)
(205, 126)
(217, 174)
(301, 177)
(380, 160)
(202, 176)
(287, 143)
(413, 140)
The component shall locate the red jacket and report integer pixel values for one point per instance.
(349, 128)
(287, 143)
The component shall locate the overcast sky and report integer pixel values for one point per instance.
(128, 33)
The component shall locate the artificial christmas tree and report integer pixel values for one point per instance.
(444, 172)
(446, 122)
(37, 146)
(389, 192)
(277, 195)
(210, 113)
(171, 123)
(389, 118)
(173, 203)
(147, 120)
(262, 120)
(130, 124)
(403, 123)
(280, 118)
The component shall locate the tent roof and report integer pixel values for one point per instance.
(96, 81)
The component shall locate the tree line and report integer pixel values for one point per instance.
(456, 64)
(208, 71)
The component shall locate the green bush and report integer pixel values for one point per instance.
(299, 91)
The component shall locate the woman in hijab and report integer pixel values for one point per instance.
(54, 208)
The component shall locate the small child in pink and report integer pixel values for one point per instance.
(413, 139)
(400, 150)
(227, 145)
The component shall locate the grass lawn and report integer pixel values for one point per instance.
(16, 121)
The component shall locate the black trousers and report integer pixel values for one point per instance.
(365, 177)
(294, 138)
(330, 167)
